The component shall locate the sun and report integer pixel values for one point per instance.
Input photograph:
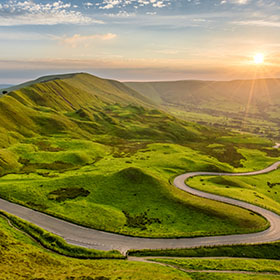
(259, 58)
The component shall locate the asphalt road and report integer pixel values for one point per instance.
(91, 238)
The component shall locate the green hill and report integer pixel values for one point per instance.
(74, 104)
(249, 105)
(75, 142)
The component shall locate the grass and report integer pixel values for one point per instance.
(22, 258)
(230, 264)
(262, 190)
(227, 276)
(260, 251)
(82, 143)
(123, 191)
(57, 244)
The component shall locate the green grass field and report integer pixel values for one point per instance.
(97, 153)
(85, 143)
(226, 276)
(262, 190)
(22, 258)
(124, 192)
(225, 264)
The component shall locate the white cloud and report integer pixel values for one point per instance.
(240, 2)
(85, 41)
(88, 4)
(110, 4)
(122, 14)
(260, 23)
(30, 13)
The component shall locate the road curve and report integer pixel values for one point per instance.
(100, 240)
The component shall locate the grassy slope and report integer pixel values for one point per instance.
(62, 106)
(225, 264)
(260, 251)
(134, 183)
(262, 190)
(226, 276)
(106, 139)
(93, 136)
(220, 103)
(21, 258)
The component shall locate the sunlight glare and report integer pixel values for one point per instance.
(259, 58)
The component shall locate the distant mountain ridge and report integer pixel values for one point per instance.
(39, 80)
(234, 104)
(4, 86)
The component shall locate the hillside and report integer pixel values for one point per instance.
(249, 105)
(73, 104)
(76, 142)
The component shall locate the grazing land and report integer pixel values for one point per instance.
(23, 258)
(261, 251)
(98, 153)
(262, 190)
(79, 142)
(229, 264)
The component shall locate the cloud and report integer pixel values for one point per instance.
(238, 2)
(86, 41)
(260, 23)
(111, 4)
(28, 12)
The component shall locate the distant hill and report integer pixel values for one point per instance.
(4, 86)
(87, 83)
(239, 104)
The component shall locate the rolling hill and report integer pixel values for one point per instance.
(98, 153)
(249, 105)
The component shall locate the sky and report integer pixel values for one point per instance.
(139, 40)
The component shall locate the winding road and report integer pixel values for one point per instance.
(100, 240)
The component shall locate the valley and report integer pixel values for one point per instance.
(95, 153)
(242, 105)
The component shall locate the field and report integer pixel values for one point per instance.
(22, 258)
(260, 251)
(262, 190)
(225, 264)
(123, 192)
(80, 142)
(97, 153)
